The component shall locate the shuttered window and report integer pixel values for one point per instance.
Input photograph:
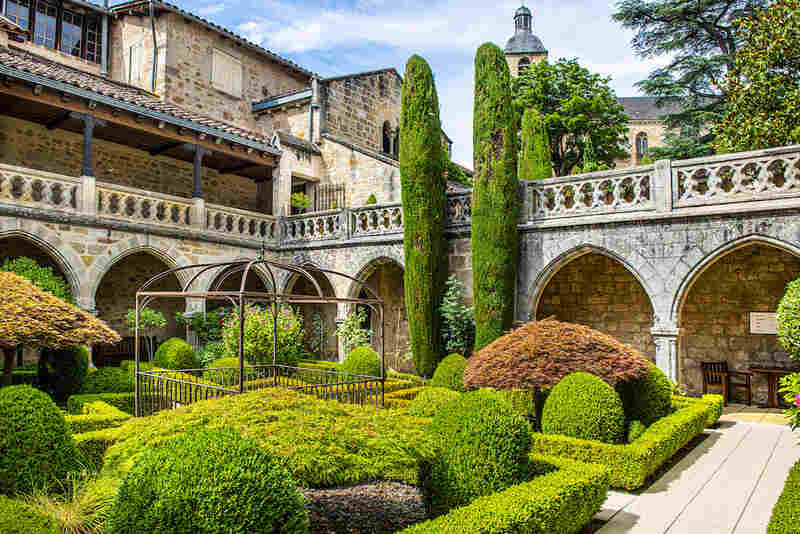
(135, 64)
(226, 73)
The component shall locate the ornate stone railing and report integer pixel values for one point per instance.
(29, 187)
(459, 209)
(741, 177)
(376, 220)
(240, 223)
(318, 226)
(120, 202)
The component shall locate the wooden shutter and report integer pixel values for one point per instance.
(226, 73)
(135, 64)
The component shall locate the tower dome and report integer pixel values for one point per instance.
(523, 41)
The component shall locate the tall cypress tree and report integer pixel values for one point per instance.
(494, 197)
(534, 158)
(422, 165)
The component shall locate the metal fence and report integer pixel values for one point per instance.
(328, 197)
(166, 389)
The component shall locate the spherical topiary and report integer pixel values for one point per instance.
(208, 482)
(648, 398)
(635, 430)
(175, 353)
(36, 448)
(362, 361)
(17, 517)
(788, 316)
(62, 372)
(584, 406)
(430, 400)
(483, 445)
(450, 373)
(109, 380)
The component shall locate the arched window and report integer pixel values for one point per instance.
(641, 145)
(382, 87)
(523, 65)
(387, 138)
(396, 146)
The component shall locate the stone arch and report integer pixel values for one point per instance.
(370, 260)
(319, 319)
(596, 288)
(63, 255)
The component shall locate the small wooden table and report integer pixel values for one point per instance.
(772, 375)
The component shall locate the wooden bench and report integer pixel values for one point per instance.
(717, 374)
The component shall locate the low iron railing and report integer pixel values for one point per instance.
(161, 389)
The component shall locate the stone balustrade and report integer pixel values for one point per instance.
(377, 219)
(317, 226)
(240, 223)
(119, 202)
(32, 188)
(459, 209)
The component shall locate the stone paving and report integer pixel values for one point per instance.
(727, 484)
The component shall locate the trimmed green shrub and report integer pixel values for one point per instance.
(371, 200)
(362, 361)
(36, 449)
(96, 415)
(62, 372)
(123, 401)
(561, 501)
(175, 353)
(422, 167)
(92, 445)
(635, 430)
(788, 316)
(258, 341)
(223, 363)
(713, 402)
(17, 517)
(406, 394)
(482, 448)
(534, 158)
(786, 512)
(630, 464)
(318, 364)
(584, 406)
(429, 400)
(212, 351)
(209, 481)
(450, 373)
(109, 380)
(648, 398)
(495, 203)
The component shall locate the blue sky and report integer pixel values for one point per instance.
(339, 37)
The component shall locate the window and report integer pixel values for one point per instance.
(226, 73)
(94, 40)
(71, 29)
(387, 138)
(135, 67)
(641, 145)
(523, 65)
(19, 11)
(396, 147)
(44, 30)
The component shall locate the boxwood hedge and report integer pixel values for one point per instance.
(121, 401)
(631, 464)
(16, 517)
(96, 416)
(562, 497)
(786, 513)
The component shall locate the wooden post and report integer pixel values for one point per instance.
(197, 188)
(89, 123)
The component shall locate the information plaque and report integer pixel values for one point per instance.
(763, 323)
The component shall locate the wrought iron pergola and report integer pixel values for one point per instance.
(242, 298)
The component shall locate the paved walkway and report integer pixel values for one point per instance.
(728, 484)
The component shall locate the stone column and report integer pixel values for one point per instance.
(662, 185)
(666, 340)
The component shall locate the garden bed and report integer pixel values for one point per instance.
(786, 513)
(631, 464)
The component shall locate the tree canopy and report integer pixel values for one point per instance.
(534, 154)
(43, 277)
(700, 39)
(576, 105)
(764, 85)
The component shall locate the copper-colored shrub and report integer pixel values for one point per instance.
(541, 353)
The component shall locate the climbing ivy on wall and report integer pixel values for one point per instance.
(534, 156)
(494, 197)
(422, 164)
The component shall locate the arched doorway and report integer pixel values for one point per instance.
(319, 320)
(116, 294)
(597, 291)
(714, 313)
(231, 281)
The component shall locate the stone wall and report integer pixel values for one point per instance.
(128, 31)
(357, 107)
(714, 319)
(362, 173)
(28, 144)
(459, 263)
(596, 291)
(655, 131)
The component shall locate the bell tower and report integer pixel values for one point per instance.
(524, 48)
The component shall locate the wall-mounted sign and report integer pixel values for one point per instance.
(763, 323)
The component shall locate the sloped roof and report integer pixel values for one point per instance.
(116, 94)
(646, 107)
(364, 73)
(282, 99)
(297, 142)
(525, 43)
(9, 25)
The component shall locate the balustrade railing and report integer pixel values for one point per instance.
(376, 220)
(459, 209)
(120, 202)
(240, 223)
(317, 226)
(29, 187)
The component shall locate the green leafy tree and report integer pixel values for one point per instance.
(258, 336)
(700, 40)
(42, 277)
(422, 166)
(458, 325)
(534, 156)
(494, 197)
(575, 105)
(457, 174)
(351, 330)
(149, 321)
(692, 139)
(763, 87)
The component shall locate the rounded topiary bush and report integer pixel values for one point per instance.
(430, 400)
(362, 361)
(110, 380)
(788, 316)
(17, 517)
(450, 373)
(175, 353)
(36, 448)
(482, 448)
(62, 372)
(208, 482)
(584, 406)
(635, 431)
(647, 399)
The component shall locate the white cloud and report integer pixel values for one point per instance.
(211, 10)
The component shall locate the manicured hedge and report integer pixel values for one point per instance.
(430, 400)
(121, 401)
(92, 446)
(96, 415)
(24, 376)
(16, 517)
(631, 464)
(109, 380)
(450, 373)
(714, 402)
(786, 513)
(562, 500)
(405, 394)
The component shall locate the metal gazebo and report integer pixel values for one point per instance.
(157, 389)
